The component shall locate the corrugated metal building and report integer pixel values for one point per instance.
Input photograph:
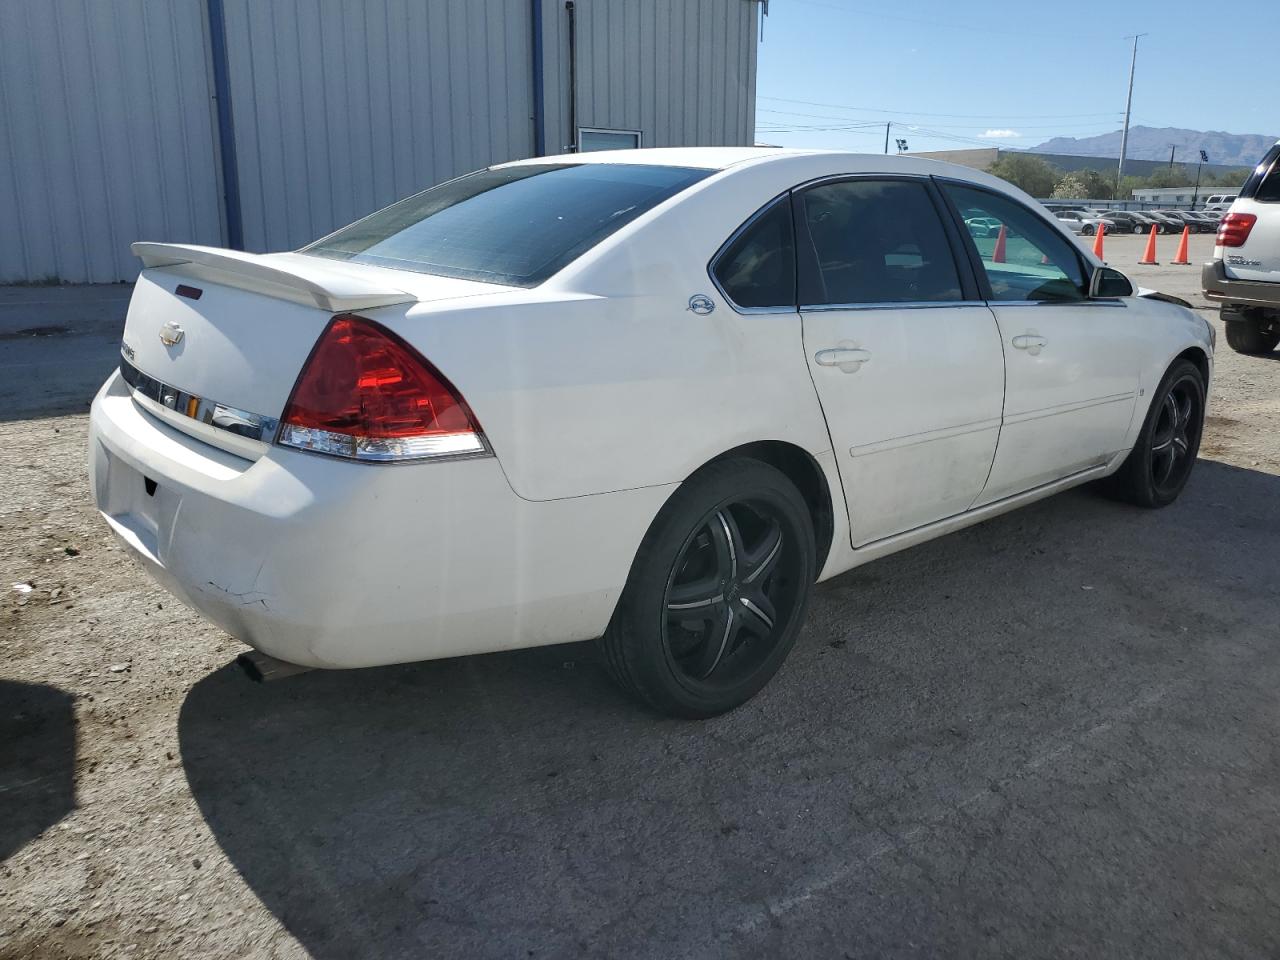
(266, 123)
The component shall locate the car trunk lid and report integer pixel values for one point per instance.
(214, 339)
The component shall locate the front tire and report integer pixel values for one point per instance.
(1087, 231)
(1161, 461)
(717, 592)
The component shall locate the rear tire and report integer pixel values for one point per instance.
(1087, 231)
(1164, 454)
(1247, 336)
(717, 592)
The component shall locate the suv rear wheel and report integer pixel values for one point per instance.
(1248, 334)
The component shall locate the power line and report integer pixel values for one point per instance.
(955, 116)
(978, 28)
(956, 126)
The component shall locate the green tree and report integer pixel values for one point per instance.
(1070, 187)
(1096, 184)
(1026, 171)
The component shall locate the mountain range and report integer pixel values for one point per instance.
(1152, 143)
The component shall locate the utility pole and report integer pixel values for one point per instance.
(1128, 105)
(886, 136)
(1172, 149)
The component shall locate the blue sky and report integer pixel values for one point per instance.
(965, 74)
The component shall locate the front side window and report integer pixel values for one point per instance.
(758, 269)
(876, 241)
(515, 225)
(1024, 258)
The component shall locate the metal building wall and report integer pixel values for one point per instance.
(683, 72)
(341, 108)
(106, 135)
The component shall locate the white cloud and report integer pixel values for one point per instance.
(1000, 135)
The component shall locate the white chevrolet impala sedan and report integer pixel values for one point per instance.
(649, 397)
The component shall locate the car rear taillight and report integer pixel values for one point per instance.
(1234, 229)
(365, 394)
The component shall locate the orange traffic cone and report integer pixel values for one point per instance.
(998, 254)
(1149, 257)
(1181, 256)
(1097, 241)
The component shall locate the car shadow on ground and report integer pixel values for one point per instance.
(1053, 733)
(37, 761)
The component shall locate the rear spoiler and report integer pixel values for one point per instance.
(310, 281)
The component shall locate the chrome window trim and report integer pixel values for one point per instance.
(173, 403)
(893, 305)
(1108, 302)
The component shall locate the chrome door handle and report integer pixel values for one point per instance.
(847, 359)
(1029, 342)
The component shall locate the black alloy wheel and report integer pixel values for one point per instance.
(1162, 459)
(717, 592)
(1177, 428)
(722, 599)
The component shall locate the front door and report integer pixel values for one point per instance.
(1072, 364)
(907, 363)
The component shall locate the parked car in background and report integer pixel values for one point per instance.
(1185, 219)
(1165, 222)
(1219, 202)
(634, 405)
(1244, 274)
(1084, 223)
(982, 226)
(1130, 221)
(1209, 221)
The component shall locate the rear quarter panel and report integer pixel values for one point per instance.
(602, 379)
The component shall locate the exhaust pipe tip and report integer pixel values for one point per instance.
(261, 668)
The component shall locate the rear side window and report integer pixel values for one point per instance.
(1024, 258)
(517, 225)
(1263, 184)
(875, 241)
(758, 268)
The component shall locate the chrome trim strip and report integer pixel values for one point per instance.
(175, 401)
(1070, 407)
(928, 436)
(1101, 302)
(905, 305)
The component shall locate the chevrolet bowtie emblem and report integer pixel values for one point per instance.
(171, 333)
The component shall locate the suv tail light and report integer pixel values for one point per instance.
(365, 394)
(1234, 229)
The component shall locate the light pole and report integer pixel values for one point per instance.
(1128, 106)
(1195, 196)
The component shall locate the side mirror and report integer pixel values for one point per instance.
(1107, 284)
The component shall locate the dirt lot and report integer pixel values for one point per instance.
(1053, 734)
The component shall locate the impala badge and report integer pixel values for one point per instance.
(171, 333)
(701, 304)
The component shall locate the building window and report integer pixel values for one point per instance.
(595, 138)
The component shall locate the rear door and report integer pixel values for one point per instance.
(1072, 364)
(905, 358)
(1258, 258)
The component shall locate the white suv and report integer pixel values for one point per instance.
(1244, 275)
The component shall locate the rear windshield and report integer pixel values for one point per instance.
(517, 225)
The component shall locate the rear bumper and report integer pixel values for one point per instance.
(332, 564)
(1220, 288)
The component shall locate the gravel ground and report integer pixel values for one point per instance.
(1053, 734)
